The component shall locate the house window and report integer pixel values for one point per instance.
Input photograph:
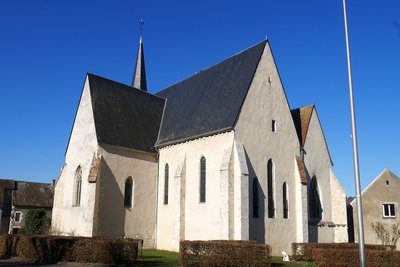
(285, 201)
(166, 180)
(274, 126)
(314, 200)
(202, 179)
(128, 192)
(77, 187)
(255, 197)
(270, 180)
(17, 216)
(388, 211)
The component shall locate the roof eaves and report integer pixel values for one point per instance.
(182, 140)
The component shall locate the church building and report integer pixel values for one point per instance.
(219, 155)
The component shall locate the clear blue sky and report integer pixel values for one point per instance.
(46, 48)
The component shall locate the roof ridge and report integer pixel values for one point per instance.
(212, 66)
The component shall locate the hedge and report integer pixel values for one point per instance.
(51, 249)
(350, 258)
(305, 251)
(224, 253)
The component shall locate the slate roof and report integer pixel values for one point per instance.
(301, 118)
(210, 101)
(125, 116)
(29, 194)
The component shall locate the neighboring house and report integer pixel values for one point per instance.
(219, 155)
(28, 196)
(18, 197)
(380, 203)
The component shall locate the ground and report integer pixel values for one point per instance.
(149, 257)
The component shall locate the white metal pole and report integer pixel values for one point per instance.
(355, 148)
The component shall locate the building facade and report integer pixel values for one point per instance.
(380, 204)
(219, 155)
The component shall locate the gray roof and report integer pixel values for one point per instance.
(125, 116)
(29, 194)
(210, 101)
(139, 74)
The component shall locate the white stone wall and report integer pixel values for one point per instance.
(339, 213)
(67, 218)
(266, 101)
(111, 217)
(184, 217)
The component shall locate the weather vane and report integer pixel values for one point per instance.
(141, 26)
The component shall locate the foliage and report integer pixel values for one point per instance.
(224, 253)
(36, 222)
(389, 234)
(49, 249)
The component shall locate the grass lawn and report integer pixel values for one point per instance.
(152, 257)
(277, 261)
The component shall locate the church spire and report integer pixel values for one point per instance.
(139, 75)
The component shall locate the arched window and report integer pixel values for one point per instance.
(270, 180)
(255, 197)
(128, 192)
(166, 180)
(203, 179)
(285, 201)
(77, 186)
(315, 202)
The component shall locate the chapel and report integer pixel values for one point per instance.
(219, 155)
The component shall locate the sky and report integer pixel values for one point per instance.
(47, 47)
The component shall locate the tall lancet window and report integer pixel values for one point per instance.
(202, 179)
(166, 181)
(314, 200)
(285, 201)
(128, 192)
(255, 198)
(77, 186)
(270, 180)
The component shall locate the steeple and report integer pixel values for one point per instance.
(139, 75)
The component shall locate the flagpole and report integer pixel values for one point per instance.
(355, 148)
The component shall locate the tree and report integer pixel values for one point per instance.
(36, 222)
(389, 234)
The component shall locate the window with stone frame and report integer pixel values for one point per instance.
(77, 186)
(202, 179)
(128, 192)
(271, 189)
(388, 210)
(18, 216)
(166, 183)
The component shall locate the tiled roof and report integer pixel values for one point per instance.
(31, 194)
(95, 169)
(302, 170)
(209, 101)
(301, 118)
(125, 116)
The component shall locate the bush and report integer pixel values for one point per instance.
(50, 249)
(224, 253)
(350, 258)
(36, 222)
(305, 251)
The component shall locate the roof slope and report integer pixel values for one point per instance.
(125, 116)
(31, 194)
(209, 101)
(301, 118)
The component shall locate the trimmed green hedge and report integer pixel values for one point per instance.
(305, 251)
(350, 258)
(224, 253)
(50, 249)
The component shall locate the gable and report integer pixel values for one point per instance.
(378, 189)
(208, 102)
(314, 136)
